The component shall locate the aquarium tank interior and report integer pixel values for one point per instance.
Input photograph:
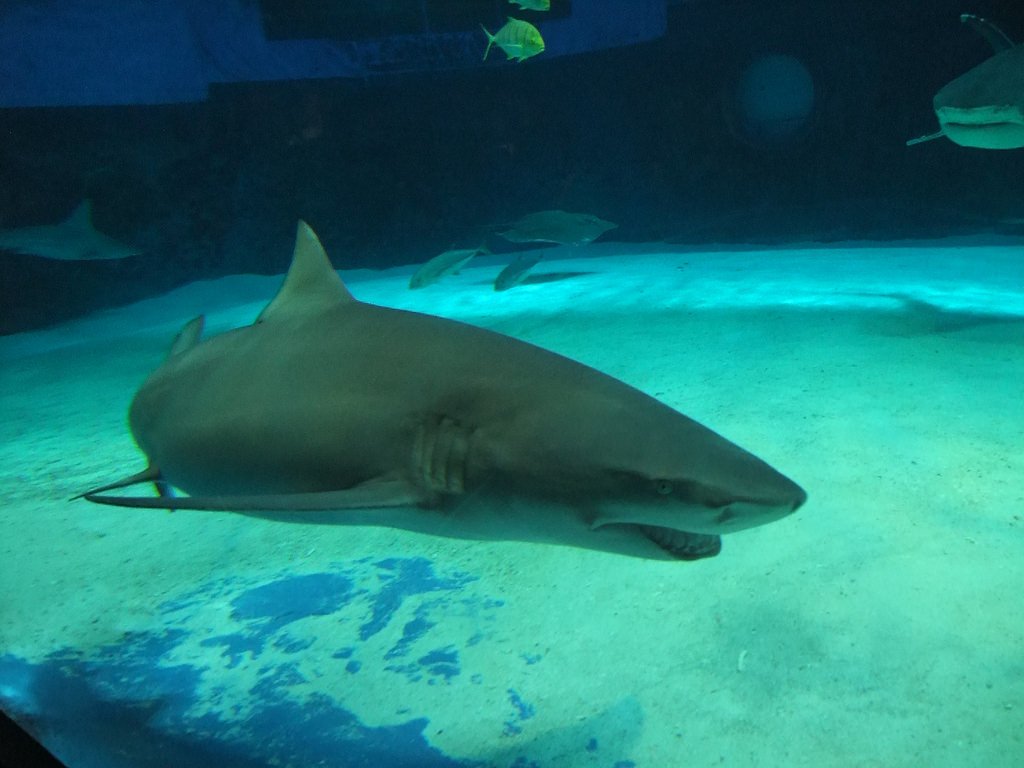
(512, 384)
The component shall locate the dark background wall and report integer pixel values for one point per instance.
(396, 170)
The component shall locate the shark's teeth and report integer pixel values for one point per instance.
(682, 544)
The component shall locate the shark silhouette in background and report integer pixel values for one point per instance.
(984, 107)
(74, 239)
(332, 409)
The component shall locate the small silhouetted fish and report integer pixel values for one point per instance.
(533, 5)
(515, 272)
(447, 263)
(518, 39)
(557, 227)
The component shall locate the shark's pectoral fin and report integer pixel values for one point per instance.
(380, 492)
(149, 475)
(928, 137)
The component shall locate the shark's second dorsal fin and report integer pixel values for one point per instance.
(81, 217)
(311, 285)
(187, 337)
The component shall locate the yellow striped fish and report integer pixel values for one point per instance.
(518, 39)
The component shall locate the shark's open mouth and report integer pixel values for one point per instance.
(682, 544)
(986, 135)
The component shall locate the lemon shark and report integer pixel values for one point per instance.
(984, 107)
(332, 409)
(74, 239)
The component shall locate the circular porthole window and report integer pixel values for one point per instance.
(772, 101)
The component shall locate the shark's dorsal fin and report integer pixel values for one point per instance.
(81, 217)
(188, 336)
(311, 285)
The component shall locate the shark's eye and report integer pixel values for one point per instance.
(663, 487)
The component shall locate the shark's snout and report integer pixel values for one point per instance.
(744, 478)
(783, 494)
(799, 498)
(753, 495)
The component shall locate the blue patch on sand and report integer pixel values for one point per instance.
(281, 602)
(133, 695)
(523, 711)
(402, 578)
(441, 663)
(263, 610)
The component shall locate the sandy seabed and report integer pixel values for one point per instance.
(881, 625)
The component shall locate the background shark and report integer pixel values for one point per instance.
(74, 239)
(984, 107)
